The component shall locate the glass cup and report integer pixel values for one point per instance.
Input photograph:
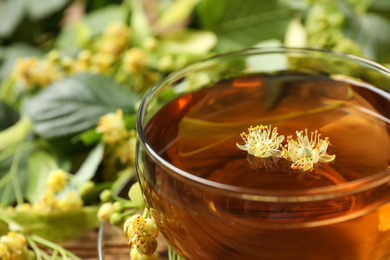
(208, 219)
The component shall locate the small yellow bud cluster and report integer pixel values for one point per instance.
(12, 246)
(117, 137)
(56, 180)
(126, 150)
(112, 127)
(115, 39)
(112, 56)
(142, 233)
(134, 61)
(34, 72)
(51, 201)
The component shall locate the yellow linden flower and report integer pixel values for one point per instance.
(262, 142)
(112, 127)
(70, 202)
(57, 180)
(142, 234)
(134, 61)
(101, 62)
(12, 245)
(304, 153)
(47, 203)
(115, 38)
(23, 70)
(126, 150)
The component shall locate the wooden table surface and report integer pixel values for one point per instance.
(114, 245)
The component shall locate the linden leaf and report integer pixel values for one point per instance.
(90, 165)
(40, 164)
(135, 194)
(188, 41)
(55, 226)
(75, 104)
(241, 24)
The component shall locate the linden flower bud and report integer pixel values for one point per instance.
(116, 219)
(262, 142)
(86, 188)
(105, 195)
(304, 153)
(165, 63)
(105, 211)
(142, 234)
(150, 44)
(57, 180)
(135, 255)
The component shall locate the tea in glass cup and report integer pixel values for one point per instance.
(274, 153)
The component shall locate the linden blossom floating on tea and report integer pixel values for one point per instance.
(262, 143)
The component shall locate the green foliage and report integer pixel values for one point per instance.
(366, 30)
(171, 34)
(56, 226)
(39, 9)
(40, 164)
(13, 178)
(75, 104)
(8, 115)
(93, 24)
(89, 168)
(11, 15)
(241, 24)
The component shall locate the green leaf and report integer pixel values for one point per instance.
(96, 21)
(40, 164)
(56, 226)
(89, 137)
(89, 166)
(130, 121)
(15, 133)
(39, 9)
(189, 42)
(367, 31)
(13, 178)
(11, 15)
(176, 13)
(240, 24)
(139, 24)
(8, 116)
(135, 194)
(75, 104)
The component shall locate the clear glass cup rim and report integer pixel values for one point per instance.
(309, 194)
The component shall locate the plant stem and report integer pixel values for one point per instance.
(34, 246)
(64, 253)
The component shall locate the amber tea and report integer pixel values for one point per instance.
(286, 212)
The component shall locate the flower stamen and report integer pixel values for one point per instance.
(305, 153)
(262, 141)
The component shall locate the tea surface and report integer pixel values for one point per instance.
(198, 131)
